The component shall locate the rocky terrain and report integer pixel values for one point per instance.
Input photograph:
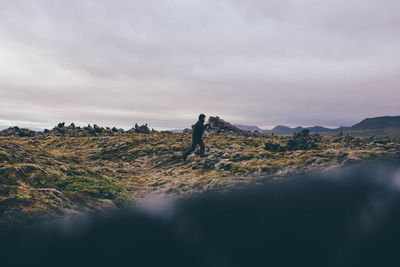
(72, 130)
(73, 170)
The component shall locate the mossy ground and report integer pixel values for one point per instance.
(113, 169)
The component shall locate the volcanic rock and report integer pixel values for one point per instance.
(218, 125)
(273, 147)
(16, 131)
(303, 141)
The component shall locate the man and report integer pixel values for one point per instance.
(198, 131)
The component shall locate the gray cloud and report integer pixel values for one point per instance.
(256, 62)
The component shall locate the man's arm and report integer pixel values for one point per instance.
(207, 125)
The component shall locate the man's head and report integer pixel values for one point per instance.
(202, 117)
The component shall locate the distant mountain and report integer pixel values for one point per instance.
(314, 129)
(286, 129)
(249, 128)
(281, 129)
(378, 123)
(176, 130)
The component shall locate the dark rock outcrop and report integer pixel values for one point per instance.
(61, 129)
(273, 147)
(299, 141)
(218, 125)
(211, 162)
(140, 129)
(303, 141)
(16, 131)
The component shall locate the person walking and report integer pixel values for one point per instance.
(198, 131)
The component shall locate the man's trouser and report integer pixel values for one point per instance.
(193, 147)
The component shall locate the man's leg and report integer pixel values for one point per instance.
(191, 149)
(202, 148)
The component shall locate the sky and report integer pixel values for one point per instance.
(115, 63)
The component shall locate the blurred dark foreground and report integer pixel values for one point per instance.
(349, 217)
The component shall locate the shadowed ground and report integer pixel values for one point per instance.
(340, 218)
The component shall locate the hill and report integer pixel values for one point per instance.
(313, 129)
(378, 123)
(386, 125)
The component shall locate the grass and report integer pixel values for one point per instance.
(129, 166)
(86, 186)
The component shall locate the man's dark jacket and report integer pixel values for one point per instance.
(198, 130)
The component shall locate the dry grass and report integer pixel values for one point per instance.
(130, 166)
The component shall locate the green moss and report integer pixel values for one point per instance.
(97, 186)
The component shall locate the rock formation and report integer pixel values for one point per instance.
(16, 131)
(72, 130)
(299, 141)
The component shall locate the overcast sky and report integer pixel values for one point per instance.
(259, 62)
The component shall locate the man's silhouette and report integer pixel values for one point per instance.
(198, 131)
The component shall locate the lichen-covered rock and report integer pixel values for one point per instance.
(218, 125)
(187, 131)
(299, 141)
(16, 131)
(141, 129)
(273, 147)
(210, 162)
(61, 130)
(303, 141)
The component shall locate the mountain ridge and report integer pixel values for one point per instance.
(375, 123)
(378, 122)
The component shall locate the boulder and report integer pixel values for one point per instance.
(187, 130)
(218, 125)
(273, 147)
(303, 141)
(140, 129)
(210, 162)
(17, 132)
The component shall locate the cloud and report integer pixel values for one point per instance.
(258, 62)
